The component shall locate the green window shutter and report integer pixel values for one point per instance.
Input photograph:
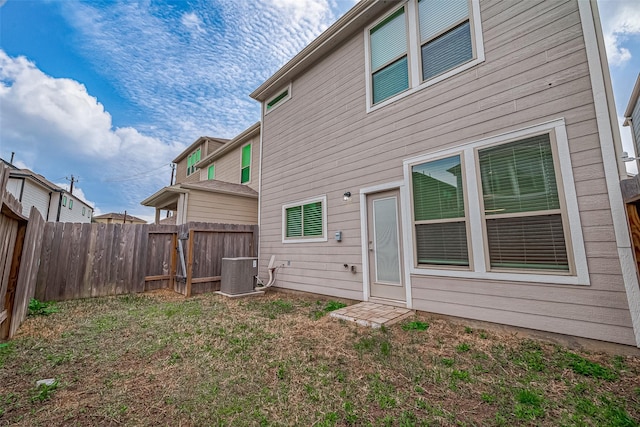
(198, 153)
(246, 155)
(245, 175)
(211, 172)
(312, 219)
(294, 221)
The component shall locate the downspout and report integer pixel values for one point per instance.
(49, 206)
(21, 191)
(59, 207)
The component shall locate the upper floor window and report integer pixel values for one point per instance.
(419, 44)
(278, 99)
(192, 160)
(211, 172)
(64, 201)
(70, 204)
(245, 169)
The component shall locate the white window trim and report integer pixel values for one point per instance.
(250, 164)
(323, 238)
(478, 260)
(413, 54)
(282, 101)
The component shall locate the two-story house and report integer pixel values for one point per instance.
(218, 184)
(457, 157)
(54, 203)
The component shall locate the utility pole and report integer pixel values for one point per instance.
(13, 153)
(124, 221)
(173, 169)
(73, 180)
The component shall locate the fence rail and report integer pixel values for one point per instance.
(90, 260)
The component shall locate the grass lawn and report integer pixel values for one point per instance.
(159, 359)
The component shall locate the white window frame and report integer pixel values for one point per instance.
(323, 238)
(414, 53)
(476, 221)
(279, 103)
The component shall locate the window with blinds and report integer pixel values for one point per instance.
(445, 35)
(446, 43)
(439, 213)
(524, 223)
(245, 170)
(304, 220)
(389, 65)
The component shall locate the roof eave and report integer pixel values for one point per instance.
(336, 33)
(635, 93)
(152, 200)
(217, 190)
(246, 134)
(193, 145)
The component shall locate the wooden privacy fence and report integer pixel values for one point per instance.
(90, 260)
(19, 258)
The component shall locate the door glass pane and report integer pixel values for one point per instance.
(387, 250)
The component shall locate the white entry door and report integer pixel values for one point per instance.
(385, 246)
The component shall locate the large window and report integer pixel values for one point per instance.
(419, 44)
(521, 206)
(498, 207)
(305, 221)
(245, 169)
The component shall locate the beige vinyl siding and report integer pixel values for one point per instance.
(535, 70)
(221, 208)
(228, 166)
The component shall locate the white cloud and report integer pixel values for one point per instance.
(192, 22)
(620, 20)
(59, 128)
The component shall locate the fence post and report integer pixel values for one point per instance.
(14, 270)
(174, 262)
(190, 262)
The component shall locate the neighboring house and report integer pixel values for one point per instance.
(118, 218)
(457, 157)
(222, 189)
(186, 170)
(55, 204)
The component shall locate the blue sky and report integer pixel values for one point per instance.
(111, 91)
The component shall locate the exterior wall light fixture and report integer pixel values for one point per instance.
(347, 196)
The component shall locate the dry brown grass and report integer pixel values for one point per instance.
(159, 359)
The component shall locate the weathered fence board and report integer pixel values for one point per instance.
(90, 260)
(20, 238)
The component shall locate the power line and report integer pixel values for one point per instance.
(137, 176)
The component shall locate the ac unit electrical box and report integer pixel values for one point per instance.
(238, 275)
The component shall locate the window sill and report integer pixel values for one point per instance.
(309, 240)
(539, 277)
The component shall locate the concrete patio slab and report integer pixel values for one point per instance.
(372, 314)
